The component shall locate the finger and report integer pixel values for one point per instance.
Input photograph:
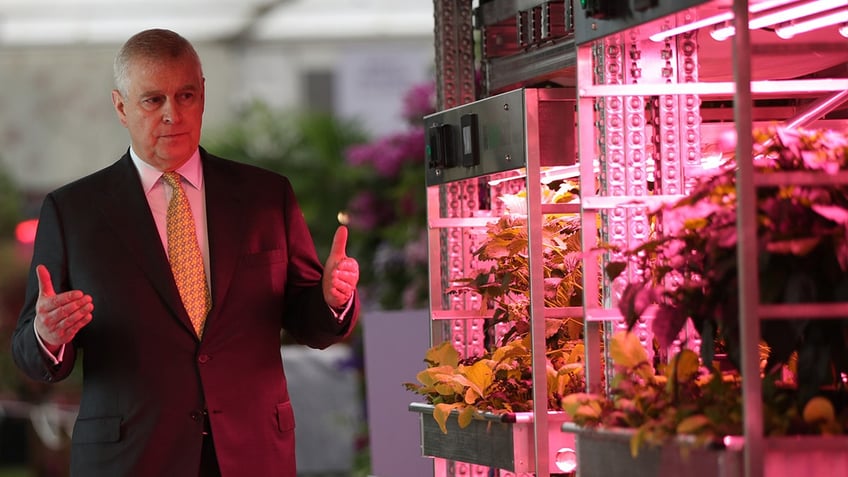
(339, 243)
(341, 283)
(68, 315)
(45, 284)
(347, 270)
(70, 309)
(338, 298)
(348, 266)
(64, 331)
(78, 318)
(63, 304)
(77, 326)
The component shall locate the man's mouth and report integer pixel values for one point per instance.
(172, 135)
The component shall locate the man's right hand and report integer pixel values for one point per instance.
(58, 318)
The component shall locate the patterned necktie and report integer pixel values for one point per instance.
(184, 255)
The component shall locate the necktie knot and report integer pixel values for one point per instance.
(172, 178)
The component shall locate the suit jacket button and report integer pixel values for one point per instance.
(196, 415)
(203, 358)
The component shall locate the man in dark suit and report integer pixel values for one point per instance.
(178, 380)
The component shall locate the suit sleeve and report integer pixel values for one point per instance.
(49, 250)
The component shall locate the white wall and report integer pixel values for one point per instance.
(57, 121)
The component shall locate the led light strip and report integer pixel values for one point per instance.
(781, 16)
(717, 19)
(789, 30)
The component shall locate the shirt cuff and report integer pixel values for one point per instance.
(57, 358)
(340, 315)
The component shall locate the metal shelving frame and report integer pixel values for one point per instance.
(594, 39)
(456, 218)
(520, 51)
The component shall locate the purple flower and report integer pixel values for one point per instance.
(388, 155)
(361, 154)
(419, 101)
(367, 212)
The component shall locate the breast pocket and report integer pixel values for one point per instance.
(266, 267)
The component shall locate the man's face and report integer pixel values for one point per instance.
(162, 110)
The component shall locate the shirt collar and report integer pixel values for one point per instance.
(191, 171)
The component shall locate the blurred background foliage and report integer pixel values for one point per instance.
(389, 210)
(308, 148)
(11, 204)
(375, 186)
(13, 267)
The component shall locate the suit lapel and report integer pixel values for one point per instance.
(224, 219)
(126, 208)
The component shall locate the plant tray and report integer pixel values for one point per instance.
(606, 453)
(492, 440)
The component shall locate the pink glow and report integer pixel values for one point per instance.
(25, 231)
(772, 18)
(716, 19)
(789, 30)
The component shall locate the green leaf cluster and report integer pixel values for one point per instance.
(686, 400)
(500, 381)
(689, 268)
(308, 148)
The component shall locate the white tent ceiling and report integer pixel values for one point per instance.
(56, 22)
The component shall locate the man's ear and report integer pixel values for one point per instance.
(118, 102)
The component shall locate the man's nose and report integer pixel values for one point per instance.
(171, 112)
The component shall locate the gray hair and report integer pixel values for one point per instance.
(151, 44)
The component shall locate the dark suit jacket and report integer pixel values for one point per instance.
(146, 376)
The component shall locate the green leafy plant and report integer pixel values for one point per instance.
(685, 399)
(688, 271)
(690, 267)
(500, 381)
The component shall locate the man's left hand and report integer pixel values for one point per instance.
(341, 273)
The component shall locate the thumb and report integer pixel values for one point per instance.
(337, 251)
(45, 283)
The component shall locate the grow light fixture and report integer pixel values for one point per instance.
(789, 30)
(797, 12)
(717, 19)
(548, 175)
(704, 22)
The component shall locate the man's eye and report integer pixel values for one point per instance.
(186, 97)
(152, 101)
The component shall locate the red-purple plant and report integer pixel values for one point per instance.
(690, 266)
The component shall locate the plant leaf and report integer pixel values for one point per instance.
(480, 377)
(683, 368)
(443, 354)
(693, 424)
(441, 412)
(465, 416)
(626, 350)
(667, 323)
(614, 269)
